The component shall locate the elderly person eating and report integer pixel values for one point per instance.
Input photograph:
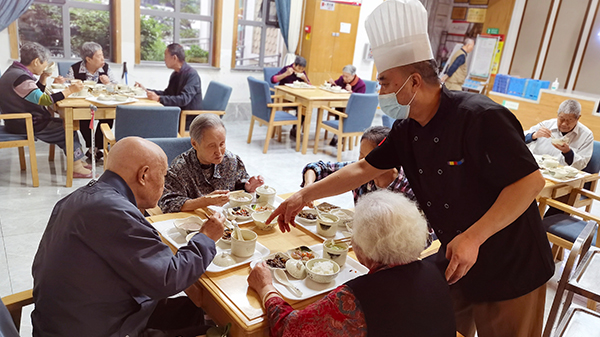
(21, 92)
(350, 81)
(92, 68)
(204, 175)
(400, 296)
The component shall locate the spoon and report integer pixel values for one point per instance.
(283, 279)
(238, 232)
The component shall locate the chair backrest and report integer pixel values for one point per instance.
(173, 147)
(216, 97)
(593, 165)
(63, 68)
(387, 121)
(360, 110)
(146, 121)
(269, 72)
(371, 87)
(7, 326)
(260, 96)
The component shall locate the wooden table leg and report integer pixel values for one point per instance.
(307, 119)
(69, 144)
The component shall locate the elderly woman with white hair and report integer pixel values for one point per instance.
(400, 296)
(564, 137)
(204, 175)
(350, 81)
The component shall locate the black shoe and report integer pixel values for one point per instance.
(293, 133)
(99, 155)
(333, 141)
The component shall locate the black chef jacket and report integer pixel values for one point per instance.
(457, 165)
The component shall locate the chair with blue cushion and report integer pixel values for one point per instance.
(173, 147)
(266, 112)
(215, 101)
(8, 140)
(63, 68)
(268, 73)
(371, 87)
(593, 167)
(387, 121)
(141, 121)
(357, 117)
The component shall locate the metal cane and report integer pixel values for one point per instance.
(93, 110)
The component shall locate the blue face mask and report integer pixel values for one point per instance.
(390, 106)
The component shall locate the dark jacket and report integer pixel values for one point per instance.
(184, 89)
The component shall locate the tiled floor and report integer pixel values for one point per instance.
(24, 210)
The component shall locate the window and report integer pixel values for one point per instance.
(258, 42)
(64, 25)
(188, 22)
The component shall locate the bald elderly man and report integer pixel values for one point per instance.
(101, 268)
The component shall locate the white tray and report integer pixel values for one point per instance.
(171, 234)
(309, 288)
(341, 233)
(295, 87)
(111, 103)
(548, 176)
(344, 91)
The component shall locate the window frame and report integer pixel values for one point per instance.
(177, 15)
(114, 9)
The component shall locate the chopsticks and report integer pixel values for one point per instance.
(344, 240)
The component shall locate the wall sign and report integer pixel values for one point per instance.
(327, 6)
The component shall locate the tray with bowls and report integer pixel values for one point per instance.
(552, 170)
(319, 276)
(335, 89)
(300, 85)
(308, 219)
(111, 100)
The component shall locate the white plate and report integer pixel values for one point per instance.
(303, 87)
(351, 270)
(171, 234)
(111, 103)
(548, 176)
(342, 91)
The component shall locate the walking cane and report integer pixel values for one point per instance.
(93, 109)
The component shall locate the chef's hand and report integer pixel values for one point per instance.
(213, 227)
(138, 84)
(152, 96)
(348, 87)
(104, 79)
(288, 211)
(462, 253)
(543, 132)
(563, 148)
(253, 183)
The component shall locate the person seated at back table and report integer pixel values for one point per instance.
(21, 92)
(350, 81)
(204, 175)
(92, 68)
(393, 180)
(579, 140)
(400, 296)
(184, 89)
(101, 269)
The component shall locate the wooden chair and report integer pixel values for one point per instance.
(266, 112)
(8, 140)
(10, 312)
(357, 118)
(141, 121)
(215, 101)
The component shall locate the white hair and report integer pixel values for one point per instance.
(350, 69)
(469, 41)
(202, 123)
(88, 49)
(389, 228)
(571, 107)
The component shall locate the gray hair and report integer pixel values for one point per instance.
(375, 134)
(300, 61)
(469, 41)
(571, 107)
(88, 49)
(388, 228)
(202, 123)
(33, 50)
(350, 69)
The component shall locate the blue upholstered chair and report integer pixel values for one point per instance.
(173, 147)
(269, 72)
(8, 140)
(593, 167)
(356, 119)
(215, 101)
(141, 121)
(63, 68)
(266, 112)
(11, 307)
(387, 121)
(371, 87)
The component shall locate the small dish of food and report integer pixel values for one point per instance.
(262, 208)
(302, 253)
(239, 213)
(322, 270)
(307, 217)
(326, 207)
(276, 260)
(260, 220)
(559, 141)
(188, 225)
(240, 198)
(226, 238)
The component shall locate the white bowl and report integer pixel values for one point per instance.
(296, 268)
(327, 224)
(265, 195)
(50, 68)
(260, 219)
(320, 277)
(559, 141)
(262, 208)
(244, 248)
(306, 221)
(188, 225)
(90, 83)
(240, 198)
(336, 253)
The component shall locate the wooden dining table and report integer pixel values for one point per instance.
(73, 110)
(310, 99)
(555, 189)
(226, 297)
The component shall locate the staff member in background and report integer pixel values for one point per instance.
(21, 92)
(350, 81)
(184, 89)
(92, 68)
(457, 71)
(578, 145)
(466, 160)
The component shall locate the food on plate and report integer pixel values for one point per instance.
(241, 198)
(263, 208)
(323, 267)
(300, 84)
(326, 207)
(224, 260)
(240, 211)
(307, 215)
(302, 253)
(559, 141)
(278, 261)
(295, 268)
(337, 246)
(227, 234)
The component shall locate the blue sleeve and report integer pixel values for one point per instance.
(459, 61)
(529, 138)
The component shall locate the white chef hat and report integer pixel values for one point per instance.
(397, 31)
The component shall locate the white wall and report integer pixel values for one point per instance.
(156, 76)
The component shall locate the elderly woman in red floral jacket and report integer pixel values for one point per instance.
(401, 295)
